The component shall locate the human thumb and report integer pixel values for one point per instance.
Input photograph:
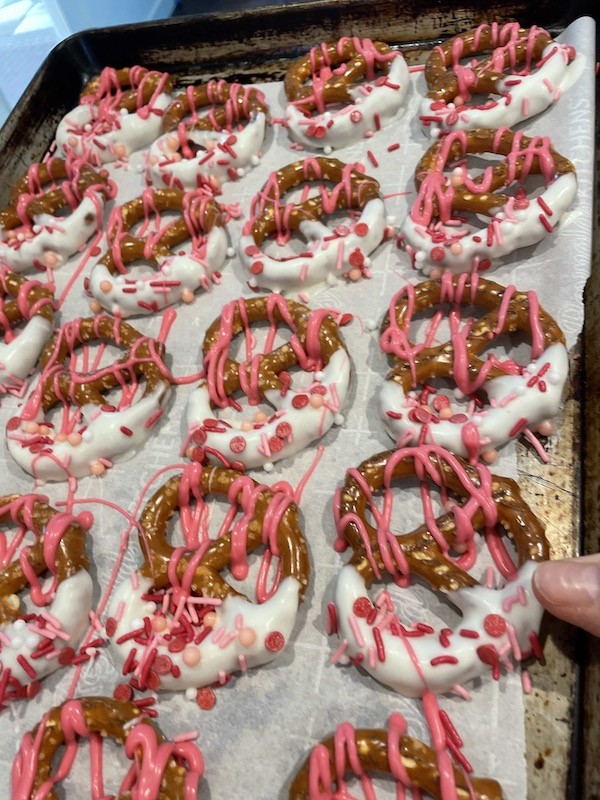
(570, 589)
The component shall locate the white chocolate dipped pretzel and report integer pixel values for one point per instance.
(92, 432)
(195, 150)
(182, 255)
(120, 112)
(35, 644)
(33, 232)
(31, 304)
(523, 72)
(332, 252)
(368, 79)
(176, 623)
(438, 237)
(305, 404)
(496, 625)
(503, 399)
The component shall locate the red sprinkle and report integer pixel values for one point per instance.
(518, 427)
(438, 253)
(545, 223)
(66, 656)
(13, 423)
(283, 430)
(198, 436)
(361, 229)
(111, 626)
(299, 401)
(206, 698)
(356, 258)
(435, 662)
(197, 454)
(257, 267)
(494, 625)
(237, 444)
(393, 147)
(372, 158)
(177, 645)
(274, 641)
(162, 664)
(362, 607)
(468, 634)
(122, 692)
(276, 444)
(488, 654)
(379, 645)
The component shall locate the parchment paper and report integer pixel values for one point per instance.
(265, 721)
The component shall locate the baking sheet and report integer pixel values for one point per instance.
(265, 722)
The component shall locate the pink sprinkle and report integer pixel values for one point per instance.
(489, 578)
(242, 662)
(356, 631)
(521, 595)
(372, 158)
(339, 652)
(526, 682)
(514, 643)
(392, 147)
(135, 583)
(185, 737)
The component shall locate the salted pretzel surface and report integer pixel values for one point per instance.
(160, 770)
(503, 399)
(190, 597)
(496, 622)
(174, 274)
(364, 753)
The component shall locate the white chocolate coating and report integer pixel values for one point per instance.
(520, 97)
(511, 401)
(56, 238)
(330, 257)
(70, 606)
(192, 271)
(409, 658)
(278, 614)
(520, 228)
(383, 101)
(132, 131)
(19, 356)
(213, 161)
(102, 438)
(307, 423)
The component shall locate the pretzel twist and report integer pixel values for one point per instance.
(128, 88)
(177, 274)
(438, 237)
(36, 643)
(87, 439)
(524, 69)
(162, 770)
(362, 752)
(172, 650)
(300, 415)
(507, 399)
(495, 623)
(366, 78)
(344, 249)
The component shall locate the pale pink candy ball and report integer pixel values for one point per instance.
(246, 426)
(159, 624)
(172, 142)
(490, 456)
(260, 416)
(50, 259)
(456, 248)
(316, 400)
(435, 274)
(191, 656)
(72, 141)
(546, 428)
(105, 286)
(97, 468)
(74, 439)
(210, 619)
(187, 295)
(354, 274)
(60, 437)
(120, 150)
(31, 427)
(45, 430)
(95, 307)
(445, 412)
(247, 637)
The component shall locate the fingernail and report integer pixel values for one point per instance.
(574, 583)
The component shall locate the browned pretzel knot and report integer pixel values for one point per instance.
(224, 550)
(63, 385)
(191, 599)
(89, 437)
(408, 761)
(511, 46)
(161, 770)
(508, 398)
(424, 554)
(270, 214)
(358, 56)
(226, 104)
(524, 156)
(129, 88)
(33, 515)
(38, 640)
(27, 298)
(30, 188)
(236, 318)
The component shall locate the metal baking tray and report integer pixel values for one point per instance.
(563, 711)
